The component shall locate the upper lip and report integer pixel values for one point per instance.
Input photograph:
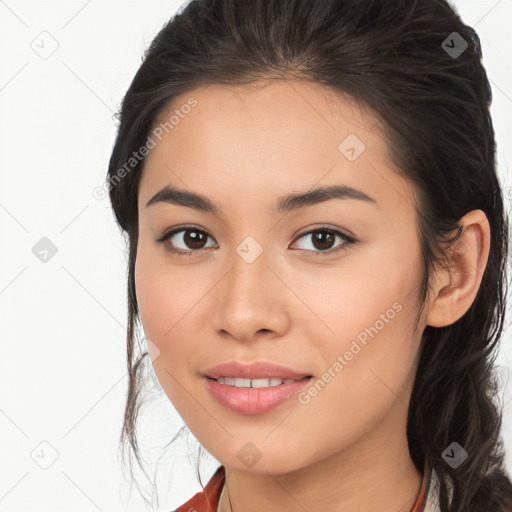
(256, 370)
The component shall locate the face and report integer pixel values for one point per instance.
(325, 285)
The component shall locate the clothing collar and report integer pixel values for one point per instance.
(207, 500)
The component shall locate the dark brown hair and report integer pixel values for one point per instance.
(392, 57)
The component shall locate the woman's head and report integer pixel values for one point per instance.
(400, 298)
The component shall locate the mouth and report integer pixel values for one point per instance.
(239, 382)
(255, 396)
(254, 388)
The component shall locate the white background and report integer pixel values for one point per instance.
(62, 369)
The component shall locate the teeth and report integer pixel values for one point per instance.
(254, 383)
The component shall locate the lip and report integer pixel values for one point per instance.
(252, 401)
(256, 370)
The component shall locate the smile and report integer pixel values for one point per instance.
(253, 383)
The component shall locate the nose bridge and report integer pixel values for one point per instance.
(250, 297)
(249, 275)
(249, 249)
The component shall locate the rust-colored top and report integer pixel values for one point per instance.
(207, 500)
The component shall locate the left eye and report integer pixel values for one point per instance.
(194, 240)
(324, 237)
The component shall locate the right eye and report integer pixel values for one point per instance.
(192, 238)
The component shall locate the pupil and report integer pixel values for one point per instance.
(194, 240)
(322, 237)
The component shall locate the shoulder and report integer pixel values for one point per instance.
(206, 500)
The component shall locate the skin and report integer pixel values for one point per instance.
(243, 148)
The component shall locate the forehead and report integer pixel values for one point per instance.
(285, 100)
(268, 137)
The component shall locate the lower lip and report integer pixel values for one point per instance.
(254, 400)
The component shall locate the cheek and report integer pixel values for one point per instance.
(366, 368)
(162, 311)
(163, 297)
(153, 298)
(162, 307)
(363, 327)
(373, 290)
(170, 302)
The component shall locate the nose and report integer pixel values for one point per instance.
(253, 297)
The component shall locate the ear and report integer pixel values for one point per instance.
(457, 286)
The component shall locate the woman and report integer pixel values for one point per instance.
(317, 252)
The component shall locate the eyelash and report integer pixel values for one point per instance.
(349, 240)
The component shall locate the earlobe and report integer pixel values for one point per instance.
(458, 285)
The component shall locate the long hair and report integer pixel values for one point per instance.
(418, 67)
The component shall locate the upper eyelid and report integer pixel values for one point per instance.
(173, 231)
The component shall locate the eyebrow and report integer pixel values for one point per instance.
(284, 204)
